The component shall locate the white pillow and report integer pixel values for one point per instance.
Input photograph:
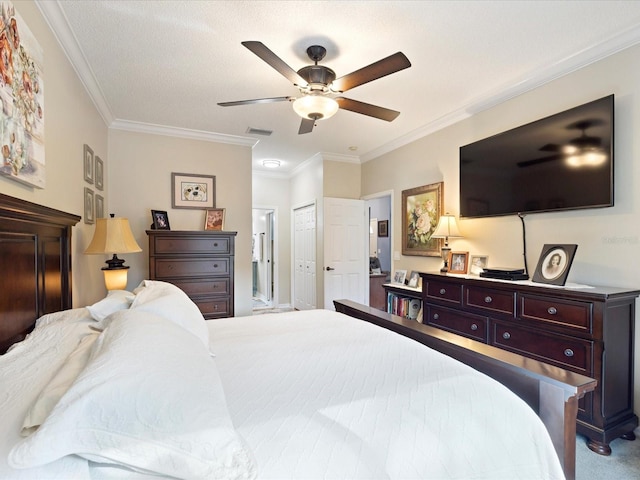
(114, 301)
(150, 399)
(168, 301)
(58, 385)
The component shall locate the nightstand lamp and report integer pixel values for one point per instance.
(113, 236)
(447, 228)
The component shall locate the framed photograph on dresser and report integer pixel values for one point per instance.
(160, 220)
(554, 264)
(458, 262)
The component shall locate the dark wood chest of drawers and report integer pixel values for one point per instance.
(586, 330)
(200, 263)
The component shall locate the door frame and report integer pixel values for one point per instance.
(275, 300)
(390, 194)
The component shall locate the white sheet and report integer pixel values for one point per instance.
(316, 394)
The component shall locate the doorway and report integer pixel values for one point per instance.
(263, 253)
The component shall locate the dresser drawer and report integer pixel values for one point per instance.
(201, 287)
(566, 352)
(566, 313)
(496, 301)
(192, 245)
(466, 324)
(214, 307)
(167, 268)
(444, 291)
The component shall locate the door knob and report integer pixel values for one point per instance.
(328, 269)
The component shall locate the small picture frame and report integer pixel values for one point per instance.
(383, 228)
(160, 220)
(99, 173)
(88, 164)
(477, 263)
(89, 214)
(99, 206)
(554, 264)
(458, 262)
(193, 191)
(399, 276)
(414, 280)
(214, 219)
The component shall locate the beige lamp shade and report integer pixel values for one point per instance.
(447, 227)
(112, 235)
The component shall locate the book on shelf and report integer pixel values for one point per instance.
(405, 307)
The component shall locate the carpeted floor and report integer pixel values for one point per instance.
(622, 464)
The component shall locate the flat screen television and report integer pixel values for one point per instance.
(561, 162)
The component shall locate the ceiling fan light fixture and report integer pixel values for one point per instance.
(315, 107)
(271, 163)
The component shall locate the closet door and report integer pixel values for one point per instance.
(304, 252)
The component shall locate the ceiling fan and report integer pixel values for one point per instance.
(318, 86)
(584, 150)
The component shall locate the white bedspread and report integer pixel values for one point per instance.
(316, 394)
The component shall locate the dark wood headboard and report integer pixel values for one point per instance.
(35, 254)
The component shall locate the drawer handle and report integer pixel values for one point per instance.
(506, 335)
(436, 316)
(215, 244)
(568, 352)
(442, 291)
(474, 327)
(552, 310)
(215, 265)
(215, 307)
(488, 299)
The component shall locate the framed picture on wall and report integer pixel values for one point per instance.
(383, 228)
(89, 211)
(88, 164)
(193, 191)
(422, 207)
(99, 173)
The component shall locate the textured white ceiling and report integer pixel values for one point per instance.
(166, 64)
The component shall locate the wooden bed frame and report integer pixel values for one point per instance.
(552, 392)
(35, 249)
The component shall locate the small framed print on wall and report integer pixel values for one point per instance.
(88, 164)
(99, 206)
(193, 191)
(383, 228)
(99, 173)
(89, 212)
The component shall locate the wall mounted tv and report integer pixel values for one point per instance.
(561, 162)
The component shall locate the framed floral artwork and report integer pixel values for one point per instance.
(422, 207)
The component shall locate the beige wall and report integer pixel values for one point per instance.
(608, 239)
(140, 167)
(341, 180)
(71, 120)
(274, 193)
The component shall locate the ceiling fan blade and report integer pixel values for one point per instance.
(272, 59)
(381, 68)
(306, 126)
(367, 109)
(257, 100)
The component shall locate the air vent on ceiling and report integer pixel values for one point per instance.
(259, 131)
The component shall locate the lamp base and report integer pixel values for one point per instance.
(445, 256)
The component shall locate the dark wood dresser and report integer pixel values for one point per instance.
(586, 330)
(200, 263)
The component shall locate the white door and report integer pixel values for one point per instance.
(346, 238)
(304, 257)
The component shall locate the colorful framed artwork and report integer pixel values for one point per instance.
(22, 101)
(458, 262)
(214, 219)
(89, 211)
(160, 220)
(554, 264)
(89, 172)
(422, 208)
(193, 191)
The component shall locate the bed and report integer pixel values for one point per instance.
(139, 385)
